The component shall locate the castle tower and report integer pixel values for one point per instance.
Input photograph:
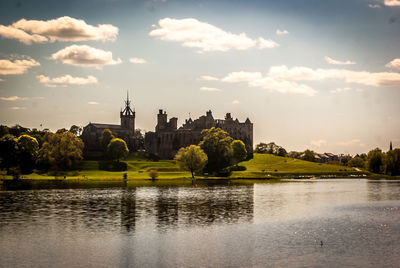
(128, 116)
(162, 118)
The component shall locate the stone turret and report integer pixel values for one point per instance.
(128, 116)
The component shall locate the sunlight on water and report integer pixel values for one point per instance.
(224, 225)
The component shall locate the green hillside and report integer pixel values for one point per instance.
(264, 165)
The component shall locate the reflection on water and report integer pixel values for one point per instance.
(222, 225)
(113, 209)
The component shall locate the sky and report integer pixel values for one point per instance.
(321, 75)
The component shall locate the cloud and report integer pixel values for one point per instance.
(299, 73)
(337, 62)
(207, 78)
(86, 56)
(262, 43)
(374, 6)
(66, 80)
(256, 79)
(281, 32)
(235, 102)
(1, 80)
(18, 66)
(61, 29)
(204, 36)
(137, 60)
(12, 98)
(318, 143)
(394, 64)
(17, 108)
(209, 89)
(340, 90)
(350, 143)
(392, 3)
(92, 102)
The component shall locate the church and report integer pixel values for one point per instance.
(126, 130)
(167, 138)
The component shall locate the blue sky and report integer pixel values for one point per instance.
(323, 75)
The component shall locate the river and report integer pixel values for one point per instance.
(302, 223)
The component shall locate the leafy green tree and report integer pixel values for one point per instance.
(216, 143)
(393, 162)
(74, 129)
(153, 173)
(3, 130)
(191, 158)
(106, 137)
(239, 152)
(375, 161)
(117, 149)
(60, 151)
(28, 149)
(270, 148)
(308, 155)
(357, 162)
(8, 152)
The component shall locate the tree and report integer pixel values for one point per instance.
(308, 155)
(191, 158)
(375, 161)
(8, 152)
(28, 148)
(357, 162)
(106, 137)
(270, 148)
(117, 149)
(74, 129)
(61, 151)
(239, 152)
(216, 143)
(393, 162)
(139, 137)
(3, 130)
(153, 173)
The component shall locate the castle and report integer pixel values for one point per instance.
(91, 133)
(167, 138)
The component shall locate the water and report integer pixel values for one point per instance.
(213, 225)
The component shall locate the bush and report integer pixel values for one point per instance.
(237, 168)
(153, 173)
(113, 166)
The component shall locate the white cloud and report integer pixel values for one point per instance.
(18, 66)
(318, 143)
(337, 62)
(60, 29)
(374, 6)
(92, 102)
(85, 56)
(207, 78)
(209, 89)
(66, 80)
(204, 36)
(394, 64)
(350, 143)
(392, 3)
(10, 32)
(340, 90)
(237, 77)
(12, 98)
(299, 73)
(17, 108)
(235, 102)
(137, 60)
(255, 79)
(262, 43)
(282, 32)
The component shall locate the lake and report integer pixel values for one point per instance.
(280, 224)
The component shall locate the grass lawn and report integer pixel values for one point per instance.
(261, 166)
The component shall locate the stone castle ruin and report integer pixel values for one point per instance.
(167, 138)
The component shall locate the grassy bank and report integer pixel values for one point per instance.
(263, 166)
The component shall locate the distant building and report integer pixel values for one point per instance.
(168, 139)
(126, 130)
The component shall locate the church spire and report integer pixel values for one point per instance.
(127, 110)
